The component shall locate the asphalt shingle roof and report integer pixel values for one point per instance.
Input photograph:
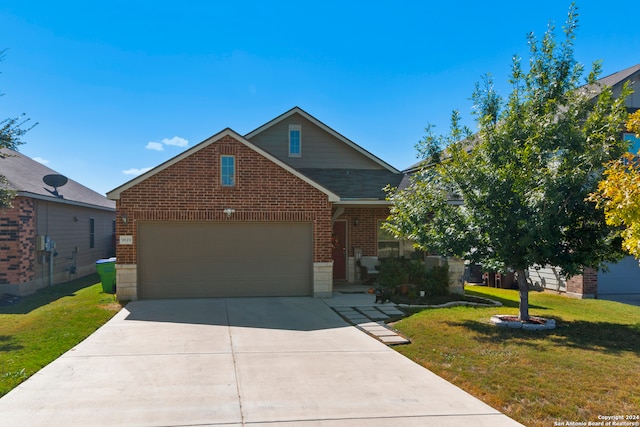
(354, 184)
(25, 176)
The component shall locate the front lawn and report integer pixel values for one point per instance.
(44, 325)
(586, 367)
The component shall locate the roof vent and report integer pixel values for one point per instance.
(55, 181)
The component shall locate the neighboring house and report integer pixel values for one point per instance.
(284, 210)
(47, 239)
(622, 277)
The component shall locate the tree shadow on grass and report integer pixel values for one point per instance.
(509, 303)
(7, 344)
(49, 294)
(604, 337)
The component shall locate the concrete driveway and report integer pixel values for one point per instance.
(237, 362)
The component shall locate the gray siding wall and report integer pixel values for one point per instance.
(622, 278)
(633, 101)
(319, 148)
(69, 228)
(547, 278)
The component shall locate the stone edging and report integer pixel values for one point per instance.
(547, 325)
(489, 303)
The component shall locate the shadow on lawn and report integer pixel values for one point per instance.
(7, 344)
(49, 294)
(505, 301)
(595, 336)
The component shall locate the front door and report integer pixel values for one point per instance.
(339, 244)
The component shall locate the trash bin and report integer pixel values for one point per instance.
(107, 270)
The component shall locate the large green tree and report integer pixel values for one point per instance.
(524, 176)
(11, 131)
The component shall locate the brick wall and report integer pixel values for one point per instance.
(191, 190)
(584, 285)
(17, 242)
(364, 234)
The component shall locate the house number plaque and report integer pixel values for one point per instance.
(126, 240)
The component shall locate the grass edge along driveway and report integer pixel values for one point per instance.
(43, 326)
(587, 367)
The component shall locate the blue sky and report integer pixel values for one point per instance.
(120, 86)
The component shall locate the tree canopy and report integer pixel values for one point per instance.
(525, 174)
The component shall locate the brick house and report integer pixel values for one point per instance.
(285, 210)
(79, 221)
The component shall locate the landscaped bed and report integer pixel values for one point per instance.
(37, 329)
(584, 368)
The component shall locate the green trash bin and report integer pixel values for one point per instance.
(107, 270)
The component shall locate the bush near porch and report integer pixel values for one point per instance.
(415, 275)
(586, 367)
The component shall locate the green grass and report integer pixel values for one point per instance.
(44, 325)
(587, 366)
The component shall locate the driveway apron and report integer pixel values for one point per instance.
(236, 362)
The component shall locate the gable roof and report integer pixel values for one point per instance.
(115, 193)
(324, 127)
(619, 77)
(24, 175)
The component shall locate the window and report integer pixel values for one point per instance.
(92, 233)
(228, 170)
(634, 142)
(388, 246)
(295, 141)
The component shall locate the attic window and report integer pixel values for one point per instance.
(295, 141)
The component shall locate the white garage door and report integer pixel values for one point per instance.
(194, 260)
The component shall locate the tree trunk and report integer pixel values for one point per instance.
(523, 287)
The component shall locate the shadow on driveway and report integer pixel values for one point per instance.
(286, 313)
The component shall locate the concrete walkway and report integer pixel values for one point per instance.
(237, 362)
(360, 309)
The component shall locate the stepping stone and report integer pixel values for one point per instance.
(344, 309)
(356, 319)
(381, 333)
(374, 314)
(391, 311)
(394, 340)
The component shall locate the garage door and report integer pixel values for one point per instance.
(193, 260)
(622, 278)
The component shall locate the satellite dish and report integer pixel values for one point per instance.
(55, 181)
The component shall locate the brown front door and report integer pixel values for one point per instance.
(339, 243)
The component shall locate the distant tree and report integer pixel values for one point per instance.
(525, 175)
(619, 193)
(11, 130)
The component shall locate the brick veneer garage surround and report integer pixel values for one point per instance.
(191, 190)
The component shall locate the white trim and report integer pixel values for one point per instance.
(298, 110)
(63, 201)
(363, 202)
(115, 193)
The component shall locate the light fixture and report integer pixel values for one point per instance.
(124, 218)
(229, 212)
(356, 222)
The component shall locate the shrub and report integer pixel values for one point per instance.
(391, 272)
